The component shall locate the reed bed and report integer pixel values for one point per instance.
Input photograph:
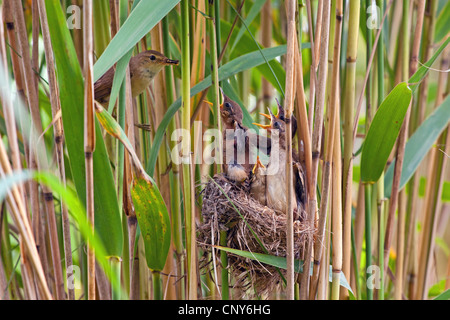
(128, 198)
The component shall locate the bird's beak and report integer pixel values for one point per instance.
(272, 116)
(222, 98)
(269, 116)
(263, 126)
(209, 103)
(170, 61)
(280, 109)
(258, 164)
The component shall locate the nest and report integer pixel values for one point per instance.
(250, 276)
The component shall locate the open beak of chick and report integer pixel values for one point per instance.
(270, 116)
(221, 100)
(257, 165)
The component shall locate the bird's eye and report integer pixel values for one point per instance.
(152, 57)
(228, 105)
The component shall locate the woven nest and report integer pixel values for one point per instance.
(249, 276)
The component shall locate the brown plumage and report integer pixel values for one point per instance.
(276, 192)
(239, 143)
(143, 69)
(258, 182)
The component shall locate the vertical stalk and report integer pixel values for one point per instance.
(322, 291)
(316, 144)
(411, 248)
(175, 181)
(380, 183)
(305, 136)
(349, 103)
(381, 206)
(398, 290)
(429, 19)
(89, 135)
(122, 103)
(214, 71)
(367, 76)
(369, 73)
(333, 156)
(224, 273)
(433, 191)
(266, 42)
(359, 224)
(355, 268)
(115, 272)
(186, 163)
(289, 107)
(29, 256)
(160, 95)
(31, 96)
(156, 282)
(214, 48)
(35, 45)
(368, 235)
(401, 142)
(312, 77)
(336, 216)
(319, 25)
(121, 110)
(11, 130)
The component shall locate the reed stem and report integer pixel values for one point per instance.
(349, 103)
(186, 149)
(380, 183)
(89, 136)
(156, 282)
(368, 237)
(316, 146)
(289, 107)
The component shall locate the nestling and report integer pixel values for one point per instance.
(276, 192)
(239, 142)
(258, 182)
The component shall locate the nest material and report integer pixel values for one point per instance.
(220, 215)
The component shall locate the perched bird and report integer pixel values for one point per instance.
(143, 69)
(258, 182)
(239, 142)
(276, 192)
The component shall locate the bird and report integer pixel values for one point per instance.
(230, 112)
(143, 69)
(234, 167)
(276, 192)
(239, 142)
(258, 182)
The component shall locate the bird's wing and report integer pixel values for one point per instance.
(102, 87)
(299, 183)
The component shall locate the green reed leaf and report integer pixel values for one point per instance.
(383, 132)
